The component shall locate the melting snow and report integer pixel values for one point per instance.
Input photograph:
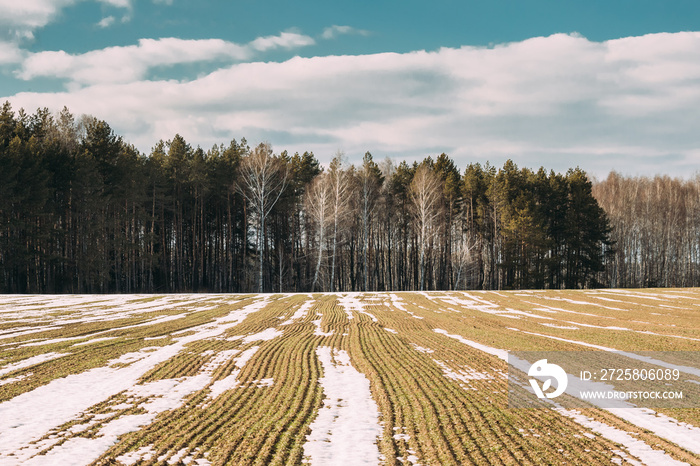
(635, 446)
(320, 332)
(300, 313)
(350, 302)
(499, 353)
(686, 369)
(565, 327)
(229, 382)
(267, 334)
(682, 434)
(29, 416)
(421, 349)
(264, 382)
(24, 376)
(29, 362)
(347, 426)
(143, 453)
(463, 375)
(397, 302)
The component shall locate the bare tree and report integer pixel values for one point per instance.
(655, 229)
(463, 257)
(263, 179)
(318, 208)
(425, 195)
(339, 179)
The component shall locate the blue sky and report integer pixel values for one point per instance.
(605, 85)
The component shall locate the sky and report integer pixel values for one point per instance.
(603, 85)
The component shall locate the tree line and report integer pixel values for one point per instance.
(656, 229)
(83, 211)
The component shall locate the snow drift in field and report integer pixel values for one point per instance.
(31, 415)
(684, 435)
(347, 426)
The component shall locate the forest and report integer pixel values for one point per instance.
(83, 211)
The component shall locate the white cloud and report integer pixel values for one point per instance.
(22, 17)
(118, 3)
(286, 40)
(335, 30)
(106, 22)
(557, 101)
(131, 63)
(9, 53)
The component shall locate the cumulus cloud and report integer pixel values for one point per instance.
(286, 40)
(9, 53)
(131, 63)
(334, 31)
(106, 22)
(22, 18)
(125, 64)
(559, 101)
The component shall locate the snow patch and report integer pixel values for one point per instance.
(133, 457)
(31, 415)
(231, 381)
(465, 374)
(657, 362)
(350, 302)
(27, 332)
(265, 335)
(300, 313)
(397, 302)
(29, 362)
(499, 353)
(24, 376)
(681, 434)
(421, 349)
(347, 426)
(320, 332)
(564, 327)
(635, 446)
(264, 382)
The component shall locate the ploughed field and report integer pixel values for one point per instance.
(347, 378)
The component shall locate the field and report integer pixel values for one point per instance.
(348, 378)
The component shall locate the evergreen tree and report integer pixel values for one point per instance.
(83, 211)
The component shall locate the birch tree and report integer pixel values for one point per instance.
(263, 178)
(339, 179)
(426, 199)
(83, 211)
(318, 208)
